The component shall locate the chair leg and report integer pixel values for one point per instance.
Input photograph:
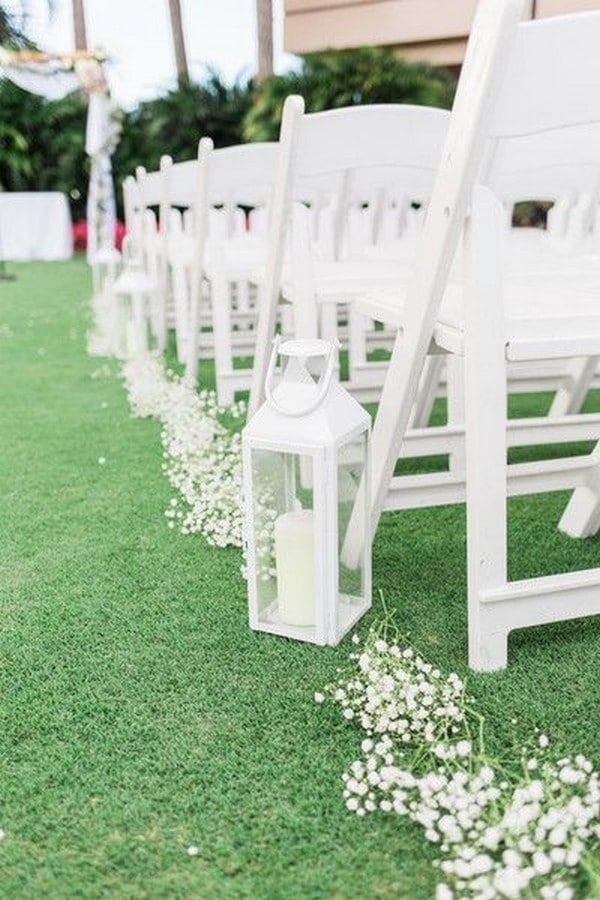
(569, 397)
(455, 392)
(243, 296)
(581, 517)
(221, 323)
(329, 321)
(286, 315)
(193, 330)
(357, 344)
(485, 435)
(181, 307)
(428, 388)
(485, 447)
(304, 301)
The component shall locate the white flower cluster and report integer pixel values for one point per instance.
(497, 838)
(201, 455)
(148, 387)
(396, 692)
(265, 514)
(100, 337)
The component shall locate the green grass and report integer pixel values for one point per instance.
(138, 713)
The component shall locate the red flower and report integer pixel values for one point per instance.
(80, 234)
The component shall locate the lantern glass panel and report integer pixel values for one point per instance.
(353, 583)
(284, 538)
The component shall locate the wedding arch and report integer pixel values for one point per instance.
(53, 76)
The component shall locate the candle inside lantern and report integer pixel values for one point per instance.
(295, 565)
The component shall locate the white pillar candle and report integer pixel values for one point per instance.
(295, 565)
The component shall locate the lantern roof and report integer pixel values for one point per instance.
(337, 418)
(134, 280)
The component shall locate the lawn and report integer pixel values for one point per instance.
(139, 714)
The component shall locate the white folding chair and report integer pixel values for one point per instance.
(151, 238)
(330, 147)
(518, 79)
(322, 276)
(231, 205)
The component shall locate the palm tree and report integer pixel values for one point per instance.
(178, 41)
(264, 29)
(12, 25)
(12, 32)
(79, 25)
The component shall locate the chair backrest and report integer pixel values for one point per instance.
(230, 177)
(518, 79)
(132, 205)
(242, 175)
(152, 194)
(369, 137)
(546, 124)
(546, 165)
(151, 185)
(183, 181)
(550, 80)
(331, 149)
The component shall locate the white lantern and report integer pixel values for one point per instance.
(306, 472)
(105, 266)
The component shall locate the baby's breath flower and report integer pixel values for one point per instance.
(420, 760)
(202, 457)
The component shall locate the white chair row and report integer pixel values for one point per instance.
(550, 297)
(363, 226)
(462, 287)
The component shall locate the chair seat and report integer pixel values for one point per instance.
(530, 251)
(535, 250)
(546, 318)
(241, 255)
(341, 281)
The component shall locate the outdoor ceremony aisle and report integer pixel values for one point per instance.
(139, 715)
(151, 746)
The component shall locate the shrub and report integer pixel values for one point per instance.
(175, 123)
(42, 144)
(337, 78)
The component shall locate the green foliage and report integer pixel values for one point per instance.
(11, 30)
(13, 23)
(43, 147)
(42, 143)
(337, 78)
(175, 123)
(141, 715)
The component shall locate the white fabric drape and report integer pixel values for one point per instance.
(101, 206)
(43, 79)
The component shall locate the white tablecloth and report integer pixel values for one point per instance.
(35, 225)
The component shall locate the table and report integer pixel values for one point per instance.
(35, 225)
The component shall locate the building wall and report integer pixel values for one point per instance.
(431, 30)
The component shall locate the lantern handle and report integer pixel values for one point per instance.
(323, 385)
